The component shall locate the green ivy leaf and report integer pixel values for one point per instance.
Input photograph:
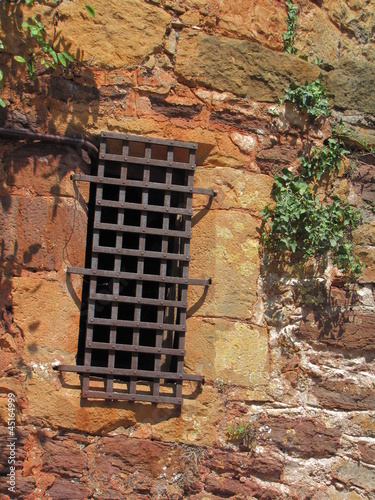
(61, 59)
(90, 9)
(67, 56)
(20, 59)
(2, 103)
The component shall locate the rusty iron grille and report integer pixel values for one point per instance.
(135, 321)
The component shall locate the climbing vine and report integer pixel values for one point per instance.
(300, 222)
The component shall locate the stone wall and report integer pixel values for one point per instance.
(288, 405)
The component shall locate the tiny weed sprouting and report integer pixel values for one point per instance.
(243, 433)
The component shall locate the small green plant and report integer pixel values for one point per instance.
(310, 97)
(243, 432)
(34, 35)
(291, 22)
(48, 57)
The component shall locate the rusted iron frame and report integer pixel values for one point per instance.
(120, 228)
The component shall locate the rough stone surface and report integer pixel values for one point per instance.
(116, 37)
(228, 350)
(230, 241)
(239, 67)
(42, 233)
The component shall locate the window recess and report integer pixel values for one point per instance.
(134, 301)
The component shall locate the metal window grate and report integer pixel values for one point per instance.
(138, 280)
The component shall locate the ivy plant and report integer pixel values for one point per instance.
(299, 222)
(310, 97)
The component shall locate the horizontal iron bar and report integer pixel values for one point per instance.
(137, 324)
(136, 300)
(142, 230)
(132, 183)
(143, 207)
(146, 161)
(99, 370)
(135, 348)
(149, 140)
(149, 185)
(141, 253)
(209, 192)
(142, 277)
(119, 396)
